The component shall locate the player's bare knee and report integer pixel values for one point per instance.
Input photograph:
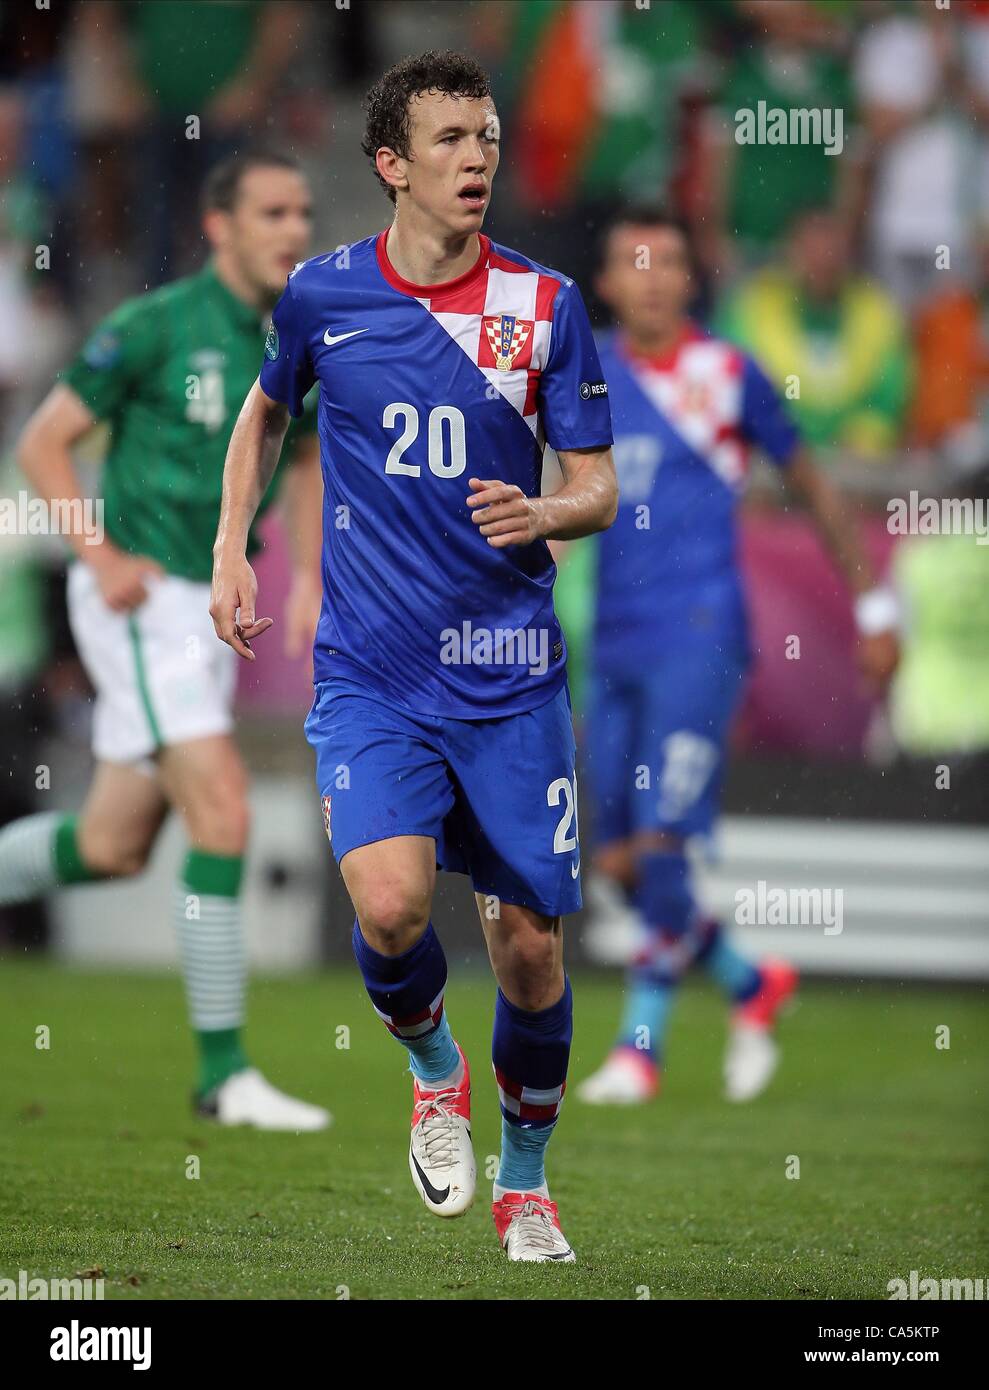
(535, 952)
(236, 818)
(218, 819)
(392, 918)
(531, 978)
(392, 931)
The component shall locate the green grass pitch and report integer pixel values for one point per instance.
(688, 1198)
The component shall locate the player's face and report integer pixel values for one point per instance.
(646, 279)
(454, 146)
(269, 229)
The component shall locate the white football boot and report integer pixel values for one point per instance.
(626, 1077)
(751, 1060)
(441, 1158)
(752, 1055)
(246, 1098)
(528, 1227)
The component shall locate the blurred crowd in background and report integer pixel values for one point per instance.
(865, 272)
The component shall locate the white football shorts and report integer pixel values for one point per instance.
(161, 674)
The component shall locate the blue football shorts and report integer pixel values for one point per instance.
(497, 795)
(657, 741)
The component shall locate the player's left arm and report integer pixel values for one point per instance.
(587, 502)
(875, 606)
(766, 422)
(302, 507)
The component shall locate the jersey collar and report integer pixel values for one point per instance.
(430, 291)
(245, 315)
(659, 361)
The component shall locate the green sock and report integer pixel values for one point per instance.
(221, 1053)
(69, 863)
(207, 920)
(39, 853)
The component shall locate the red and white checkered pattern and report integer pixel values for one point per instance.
(699, 390)
(414, 1025)
(468, 305)
(496, 329)
(528, 1103)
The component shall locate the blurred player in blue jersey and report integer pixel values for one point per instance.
(441, 721)
(671, 646)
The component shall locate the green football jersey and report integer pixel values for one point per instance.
(169, 372)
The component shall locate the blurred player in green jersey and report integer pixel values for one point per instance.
(167, 372)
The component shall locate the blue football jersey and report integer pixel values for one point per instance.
(420, 389)
(668, 567)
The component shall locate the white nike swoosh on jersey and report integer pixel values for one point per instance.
(329, 339)
(574, 870)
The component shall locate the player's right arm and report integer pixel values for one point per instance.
(44, 455)
(252, 457)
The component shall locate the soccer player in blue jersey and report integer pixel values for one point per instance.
(441, 721)
(671, 647)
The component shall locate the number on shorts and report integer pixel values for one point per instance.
(688, 761)
(563, 841)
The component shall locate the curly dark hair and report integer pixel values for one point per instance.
(389, 120)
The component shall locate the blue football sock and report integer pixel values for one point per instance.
(734, 974)
(646, 1014)
(406, 992)
(435, 1058)
(530, 1052)
(522, 1166)
(666, 904)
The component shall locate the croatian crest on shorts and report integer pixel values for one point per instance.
(326, 817)
(507, 336)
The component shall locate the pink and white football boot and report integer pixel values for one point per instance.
(753, 1054)
(528, 1227)
(626, 1077)
(441, 1158)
